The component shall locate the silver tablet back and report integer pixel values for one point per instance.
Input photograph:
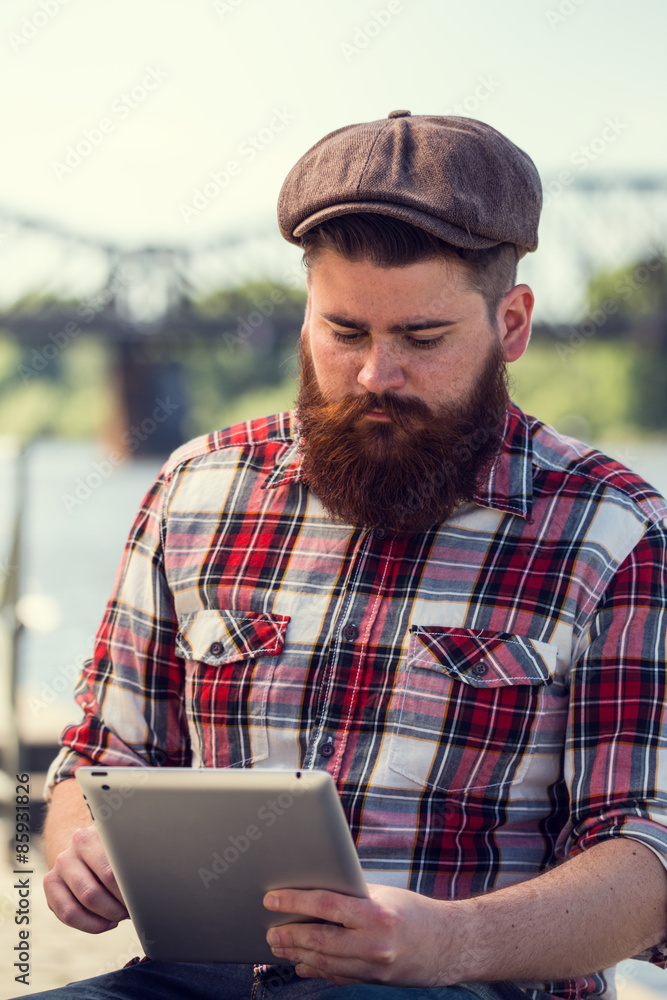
(195, 850)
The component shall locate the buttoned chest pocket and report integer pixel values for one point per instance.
(229, 660)
(469, 708)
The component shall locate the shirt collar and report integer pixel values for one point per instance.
(509, 484)
(507, 487)
(288, 465)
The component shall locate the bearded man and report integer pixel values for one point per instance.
(466, 614)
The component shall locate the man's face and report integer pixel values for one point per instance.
(352, 330)
(403, 393)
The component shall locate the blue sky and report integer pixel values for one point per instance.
(187, 87)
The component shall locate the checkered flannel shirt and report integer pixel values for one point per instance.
(489, 695)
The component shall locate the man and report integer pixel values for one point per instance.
(411, 584)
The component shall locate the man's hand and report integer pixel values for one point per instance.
(81, 888)
(395, 937)
(607, 903)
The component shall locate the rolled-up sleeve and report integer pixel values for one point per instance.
(616, 749)
(131, 690)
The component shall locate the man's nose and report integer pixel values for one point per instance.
(381, 370)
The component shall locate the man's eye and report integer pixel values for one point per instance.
(425, 344)
(345, 338)
(420, 344)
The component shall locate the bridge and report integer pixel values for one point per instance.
(144, 301)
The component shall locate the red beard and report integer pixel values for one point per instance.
(410, 472)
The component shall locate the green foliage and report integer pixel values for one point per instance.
(36, 301)
(638, 289)
(221, 376)
(264, 296)
(10, 356)
(255, 403)
(648, 394)
(72, 397)
(599, 389)
(590, 392)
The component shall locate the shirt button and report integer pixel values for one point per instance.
(350, 632)
(480, 668)
(326, 749)
(380, 532)
(215, 649)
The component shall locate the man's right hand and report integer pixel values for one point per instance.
(80, 887)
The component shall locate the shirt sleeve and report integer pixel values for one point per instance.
(616, 746)
(131, 691)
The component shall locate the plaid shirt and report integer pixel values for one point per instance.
(489, 695)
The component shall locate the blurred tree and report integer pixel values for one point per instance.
(639, 289)
(639, 292)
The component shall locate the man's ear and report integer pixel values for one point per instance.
(514, 314)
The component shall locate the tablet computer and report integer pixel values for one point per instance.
(195, 850)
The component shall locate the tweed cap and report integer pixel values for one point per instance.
(457, 178)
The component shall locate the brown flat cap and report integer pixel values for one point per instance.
(457, 178)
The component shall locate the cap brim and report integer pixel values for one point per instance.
(444, 230)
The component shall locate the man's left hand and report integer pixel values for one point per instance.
(396, 936)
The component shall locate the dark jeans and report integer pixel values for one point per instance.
(188, 981)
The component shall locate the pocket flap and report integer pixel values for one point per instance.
(217, 637)
(482, 658)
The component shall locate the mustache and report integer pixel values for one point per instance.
(403, 410)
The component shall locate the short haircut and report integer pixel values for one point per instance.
(388, 242)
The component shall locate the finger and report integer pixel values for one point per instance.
(86, 844)
(307, 972)
(318, 966)
(328, 939)
(320, 903)
(321, 950)
(85, 887)
(69, 910)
